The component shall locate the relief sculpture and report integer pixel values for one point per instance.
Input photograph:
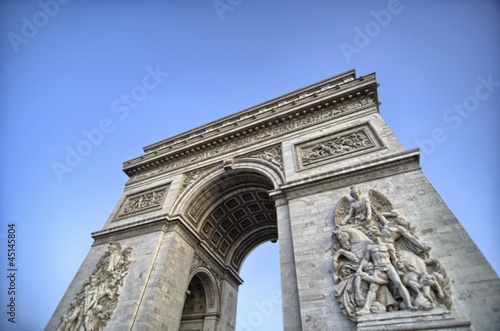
(380, 263)
(95, 302)
(340, 145)
(144, 201)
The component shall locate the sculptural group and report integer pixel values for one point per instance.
(95, 302)
(380, 263)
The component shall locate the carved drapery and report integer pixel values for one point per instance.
(96, 301)
(380, 263)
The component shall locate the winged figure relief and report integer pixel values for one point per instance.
(380, 263)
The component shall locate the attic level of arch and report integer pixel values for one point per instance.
(338, 92)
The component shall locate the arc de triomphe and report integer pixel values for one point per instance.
(365, 241)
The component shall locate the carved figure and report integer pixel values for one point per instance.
(379, 254)
(380, 263)
(345, 272)
(95, 302)
(337, 146)
(144, 201)
(384, 300)
(68, 319)
(429, 282)
(426, 284)
(272, 155)
(359, 212)
(352, 241)
(421, 285)
(392, 231)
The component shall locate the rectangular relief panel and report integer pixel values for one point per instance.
(337, 146)
(144, 201)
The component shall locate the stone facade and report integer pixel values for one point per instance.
(196, 204)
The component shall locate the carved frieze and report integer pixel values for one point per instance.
(339, 145)
(143, 201)
(269, 110)
(255, 135)
(272, 154)
(95, 303)
(380, 263)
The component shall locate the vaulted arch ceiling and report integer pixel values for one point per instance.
(235, 215)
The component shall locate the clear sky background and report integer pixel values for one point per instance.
(65, 68)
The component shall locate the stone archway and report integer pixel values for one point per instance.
(236, 213)
(201, 304)
(233, 213)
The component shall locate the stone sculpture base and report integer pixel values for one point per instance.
(438, 318)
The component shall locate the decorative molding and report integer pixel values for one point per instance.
(143, 201)
(332, 86)
(337, 146)
(133, 229)
(355, 174)
(255, 237)
(199, 262)
(95, 303)
(204, 259)
(272, 129)
(438, 318)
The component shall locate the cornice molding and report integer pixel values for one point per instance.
(337, 82)
(335, 96)
(328, 107)
(144, 226)
(356, 174)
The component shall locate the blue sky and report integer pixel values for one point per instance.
(67, 67)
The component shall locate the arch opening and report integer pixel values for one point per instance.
(200, 303)
(259, 297)
(234, 213)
